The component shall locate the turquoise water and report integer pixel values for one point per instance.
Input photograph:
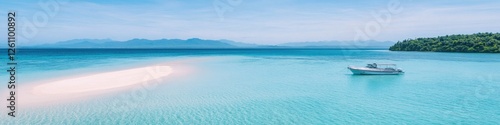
(274, 86)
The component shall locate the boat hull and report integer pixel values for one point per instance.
(366, 71)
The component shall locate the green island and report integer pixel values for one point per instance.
(473, 43)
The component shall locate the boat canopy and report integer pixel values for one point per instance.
(387, 64)
(376, 65)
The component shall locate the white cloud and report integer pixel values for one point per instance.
(260, 21)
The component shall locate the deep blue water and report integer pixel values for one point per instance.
(276, 86)
(47, 59)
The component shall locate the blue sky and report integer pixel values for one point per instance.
(251, 21)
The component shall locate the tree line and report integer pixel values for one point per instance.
(473, 43)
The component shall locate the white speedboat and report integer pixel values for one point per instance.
(376, 69)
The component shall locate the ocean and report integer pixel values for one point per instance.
(269, 86)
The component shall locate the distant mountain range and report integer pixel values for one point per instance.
(202, 43)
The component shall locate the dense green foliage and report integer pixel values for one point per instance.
(479, 42)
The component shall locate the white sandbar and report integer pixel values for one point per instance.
(103, 81)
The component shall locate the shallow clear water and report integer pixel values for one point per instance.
(275, 86)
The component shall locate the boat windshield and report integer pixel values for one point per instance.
(383, 65)
(374, 65)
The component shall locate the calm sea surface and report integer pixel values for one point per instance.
(271, 86)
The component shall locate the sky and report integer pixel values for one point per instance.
(249, 21)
